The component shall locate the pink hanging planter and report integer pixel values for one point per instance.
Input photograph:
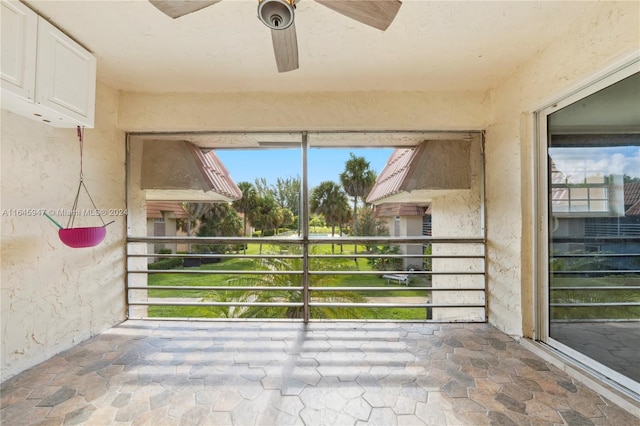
(82, 237)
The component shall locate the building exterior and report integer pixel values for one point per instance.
(162, 220)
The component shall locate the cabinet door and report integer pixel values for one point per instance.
(19, 29)
(66, 79)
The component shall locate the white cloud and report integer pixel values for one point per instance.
(597, 161)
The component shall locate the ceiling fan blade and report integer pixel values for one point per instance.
(375, 13)
(285, 47)
(177, 8)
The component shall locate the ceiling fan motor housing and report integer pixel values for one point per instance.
(276, 14)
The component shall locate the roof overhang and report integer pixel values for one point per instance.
(178, 170)
(432, 169)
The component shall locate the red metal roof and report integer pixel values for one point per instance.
(155, 209)
(634, 210)
(390, 180)
(631, 193)
(394, 209)
(632, 198)
(216, 175)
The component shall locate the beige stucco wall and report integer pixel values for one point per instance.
(304, 111)
(53, 296)
(411, 226)
(593, 41)
(458, 214)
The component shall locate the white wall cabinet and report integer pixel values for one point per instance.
(46, 76)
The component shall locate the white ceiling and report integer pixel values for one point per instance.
(431, 45)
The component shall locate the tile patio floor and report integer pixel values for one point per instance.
(270, 373)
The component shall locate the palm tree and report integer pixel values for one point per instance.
(246, 203)
(277, 279)
(265, 215)
(287, 217)
(329, 200)
(343, 215)
(194, 211)
(357, 180)
(220, 221)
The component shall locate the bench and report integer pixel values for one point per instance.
(400, 278)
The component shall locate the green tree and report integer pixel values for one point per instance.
(194, 211)
(287, 193)
(246, 203)
(357, 180)
(370, 225)
(287, 217)
(343, 216)
(266, 215)
(329, 200)
(220, 221)
(263, 188)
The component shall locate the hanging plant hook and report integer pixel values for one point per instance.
(81, 185)
(80, 132)
(85, 236)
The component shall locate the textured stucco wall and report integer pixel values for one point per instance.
(458, 214)
(304, 111)
(53, 296)
(592, 42)
(411, 226)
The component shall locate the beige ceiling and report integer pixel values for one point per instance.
(431, 45)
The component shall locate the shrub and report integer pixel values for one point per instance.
(386, 263)
(170, 263)
(164, 251)
(209, 248)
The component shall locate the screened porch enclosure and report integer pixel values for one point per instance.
(320, 263)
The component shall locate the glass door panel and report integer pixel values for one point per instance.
(594, 227)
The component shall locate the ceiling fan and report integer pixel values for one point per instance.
(279, 16)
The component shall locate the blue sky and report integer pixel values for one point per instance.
(324, 163)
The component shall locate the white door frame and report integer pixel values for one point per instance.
(618, 71)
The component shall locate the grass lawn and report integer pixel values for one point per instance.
(240, 264)
(596, 296)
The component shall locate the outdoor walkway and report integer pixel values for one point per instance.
(274, 373)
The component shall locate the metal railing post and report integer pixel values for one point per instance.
(304, 215)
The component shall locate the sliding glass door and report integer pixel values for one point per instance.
(592, 293)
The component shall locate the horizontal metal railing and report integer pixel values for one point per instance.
(137, 290)
(612, 229)
(598, 266)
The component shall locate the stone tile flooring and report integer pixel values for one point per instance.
(274, 373)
